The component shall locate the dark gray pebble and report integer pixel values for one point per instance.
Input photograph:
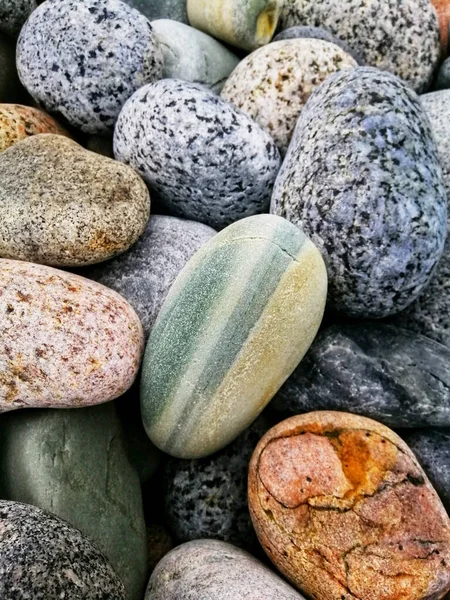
(161, 9)
(13, 14)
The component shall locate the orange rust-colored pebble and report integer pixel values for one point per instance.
(443, 10)
(344, 510)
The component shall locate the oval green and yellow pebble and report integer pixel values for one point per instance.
(235, 324)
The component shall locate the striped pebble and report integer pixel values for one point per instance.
(235, 324)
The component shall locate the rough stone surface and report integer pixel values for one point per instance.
(206, 160)
(66, 341)
(363, 179)
(161, 9)
(10, 87)
(443, 78)
(13, 14)
(390, 374)
(62, 205)
(397, 36)
(344, 510)
(44, 558)
(83, 60)
(74, 464)
(273, 83)
(144, 274)
(212, 569)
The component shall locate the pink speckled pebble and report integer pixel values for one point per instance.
(66, 341)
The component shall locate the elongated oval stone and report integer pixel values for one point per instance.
(236, 322)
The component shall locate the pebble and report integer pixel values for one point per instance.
(42, 557)
(443, 77)
(162, 9)
(205, 160)
(246, 25)
(400, 37)
(389, 374)
(372, 197)
(213, 569)
(235, 324)
(272, 84)
(13, 14)
(66, 341)
(74, 464)
(343, 509)
(10, 87)
(443, 11)
(62, 205)
(83, 60)
(191, 55)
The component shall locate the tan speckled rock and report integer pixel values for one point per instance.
(344, 510)
(66, 341)
(273, 83)
(62, 205)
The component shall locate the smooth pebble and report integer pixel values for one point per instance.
(13, 14)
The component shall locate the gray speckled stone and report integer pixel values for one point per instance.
(192, 55)
(13, 14)
(363, 180)
(10, 88)
(206, 569)
(389, 374)
(83, 60)
(443, 77)
(207, 498)
(44, 558)
(144, 274)
(206, 160)
(161, 9)
(397, 36)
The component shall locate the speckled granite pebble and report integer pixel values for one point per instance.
(206, 569)
(62, 205)
(66, 341)
(443, 78)
(397, 36)
(363, 179)
(83, 60)
(10, 87)
(144, 274)
(161, 9)
(437, 108)
(13, 14)
(206, 160)
(392, 375)
(191, 55)
(44, 558)
(272, 84)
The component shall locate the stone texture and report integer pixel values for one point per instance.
(62, 205)
(443, 11)
(363, 179)
(10, 87)
(212, 569)
(74, 464)
(392, 375)
(13, 14)
(397, 36)
(205, 160)
(162, 9)
(273, 83)
(66, 341)
(18, 122)
(443, 78)
(344, 510)
(83, 60)
(44, 558)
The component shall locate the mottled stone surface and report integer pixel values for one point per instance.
(83, 60)
(443, 78)
(18, 122)
(10, 88)
(389, 374)
(437, 107)
(66, 341)
(344, 510)
(74, 464)
(13, 14)
(363, 179)
(44, 558)
(212, 569)
(62, 205)
(397, 36)
(191, 55)
(144, 274)
(162, 9)
(205, 160)
(273, 83)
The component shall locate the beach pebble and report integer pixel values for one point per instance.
(344, 510)
(10, 87)
(443, 11)
(144, 274)
(13, 14)
(62, 205)
(400, 37)
(235, 324)
(161, 9)
(191, 55)
(205, 160)
(362, 178)
(389, 374)
(213, 569)
(83, 60)
(66, 341)
(443, 77)
(272, 84)
(42, 557)
(74, 464)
